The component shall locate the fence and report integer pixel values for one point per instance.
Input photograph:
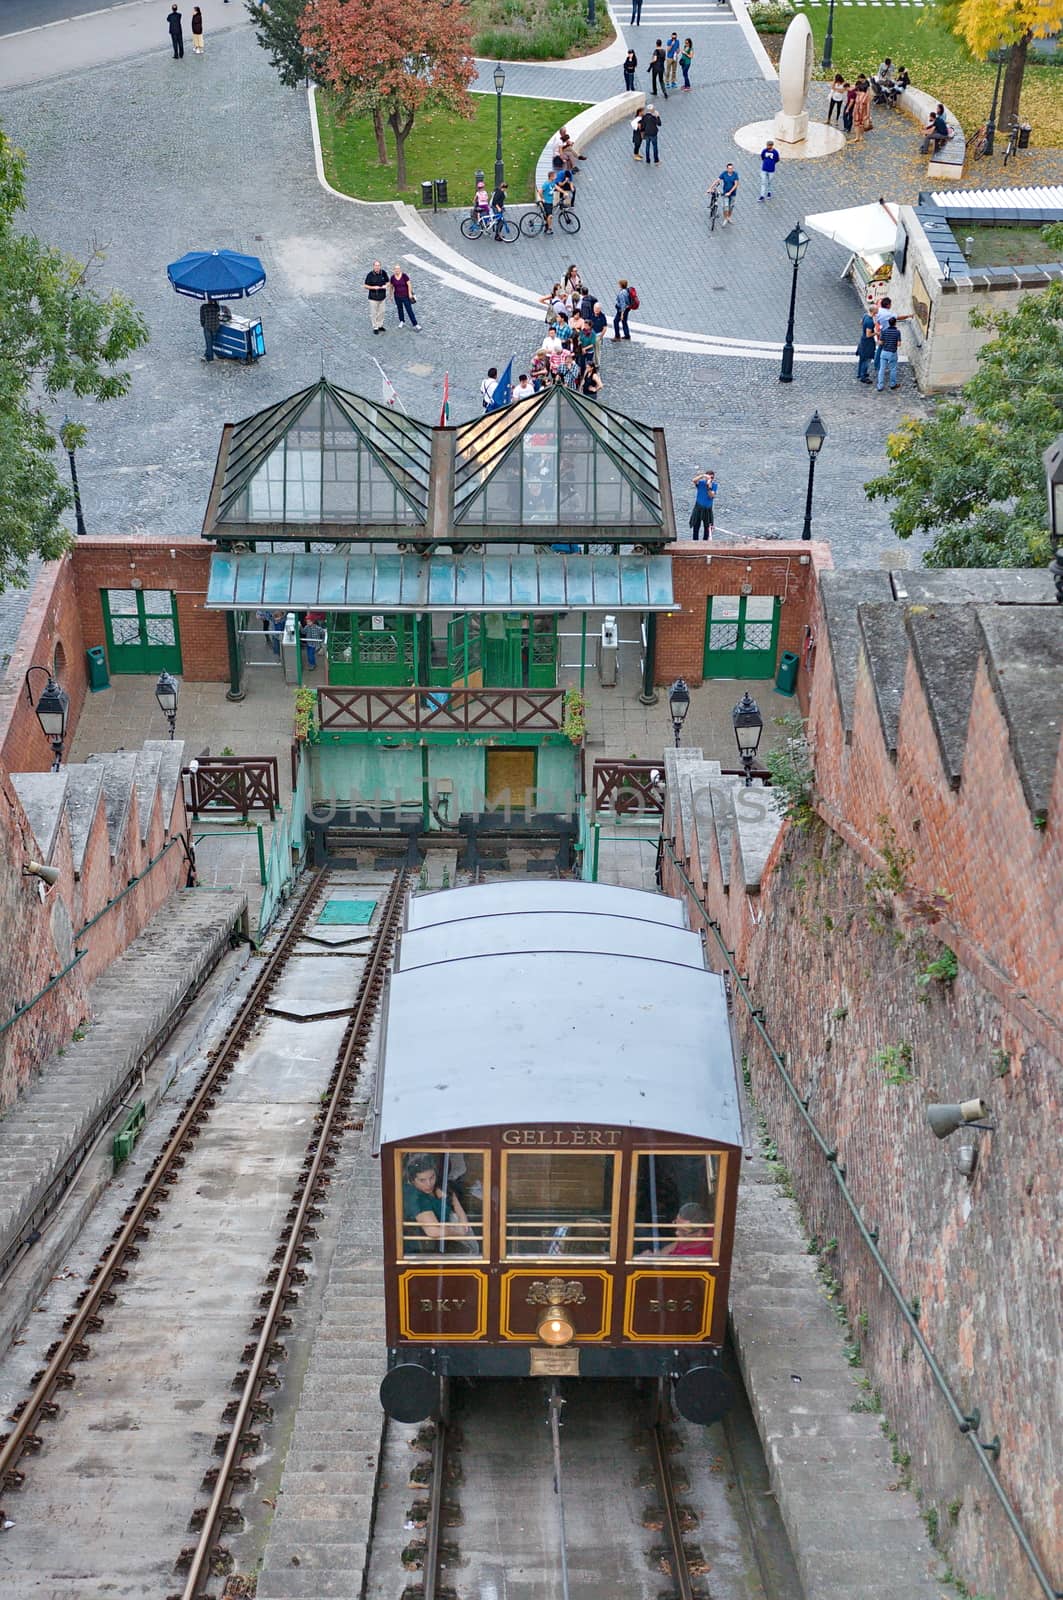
(429, 710)
(624, 786)
(236, 783)
(278, 867)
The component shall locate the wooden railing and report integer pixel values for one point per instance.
(234, 783)
(439, 710)
(629, 786)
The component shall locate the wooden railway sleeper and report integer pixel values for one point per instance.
(241, 1477)
(275, 1351)
(250, 1445)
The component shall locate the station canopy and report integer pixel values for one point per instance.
(559, 1009)
(327, 465)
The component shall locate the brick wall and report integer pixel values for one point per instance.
(181, 568)
(786, 570)
(50, 636)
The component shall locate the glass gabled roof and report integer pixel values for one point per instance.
(557, 459)
(324, 455)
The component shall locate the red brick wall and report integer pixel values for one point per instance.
(699, 570)
(50, 633)
(181, 568)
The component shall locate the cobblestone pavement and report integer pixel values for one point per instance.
(150, 163)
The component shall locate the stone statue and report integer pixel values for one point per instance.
(795, 75)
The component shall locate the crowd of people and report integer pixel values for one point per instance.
(850, 105)
(570, 351)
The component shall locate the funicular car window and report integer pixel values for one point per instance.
(442, 1202)
(559, 1204)
(675, 1205)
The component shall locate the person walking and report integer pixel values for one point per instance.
(623, 307)
(636, 14)
(376, 283)
(488, 387)
(865, 349)
(836, 100)
(656, 70)
(686, 57)
(636, 132)
(671, 61)
(197, 31)
(651, 127)
(210, 322)
(631, 66)
(769, 160)
(727, 183)
(889, 345)
(701, 517)
(403, 296)
(177, 33)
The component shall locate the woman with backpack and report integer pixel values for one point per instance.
(627, 300)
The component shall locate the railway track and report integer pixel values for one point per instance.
(98, 1302)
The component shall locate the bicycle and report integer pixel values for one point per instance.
(714, 208)
(1013, 139)
(532, 223)
(979, 143)
(479, 227)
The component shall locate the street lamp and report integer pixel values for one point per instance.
(815, 434)
(678, 706)
(796, 243)
(1053, 459)
(500, 84)
(1002, 56)
(53, 705)
(166, 693)
(828, 42)
(70, 435)
(748, 726)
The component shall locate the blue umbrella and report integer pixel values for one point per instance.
(216, 275)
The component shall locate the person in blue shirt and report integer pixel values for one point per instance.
(865, 349)
(727, 184)
(671, 61)
(701, 518)
(546, 195)
(769, 160)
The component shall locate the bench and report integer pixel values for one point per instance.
(948, 161)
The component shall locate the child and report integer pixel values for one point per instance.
(481, 205)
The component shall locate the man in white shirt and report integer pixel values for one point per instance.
(523, 389)
(487, 388)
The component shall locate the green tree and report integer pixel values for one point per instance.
(1011, 25)
(971, 474)
(277, 26)
(56, 337)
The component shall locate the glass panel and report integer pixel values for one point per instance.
(760, 607)
(757, 636)
(442, 1202)
(159, 630)
(725, 607)
(675, 1205)
(723, 636)
(158, 602)
(125, 630)
(122, 602)
(559, 1204)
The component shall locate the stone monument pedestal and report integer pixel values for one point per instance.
(791, 129)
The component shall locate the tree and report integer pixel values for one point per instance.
(972, 473)
(278, 29)
(989, 25)
(56, 337)
(392, 60)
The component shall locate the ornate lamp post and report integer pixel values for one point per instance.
(678, 706)
(748, 726)
(167, 691)
(1053, 459)
(1002, 56)
(796, 243)
(828, 42)
(815, 434)
(500, 84)
(52, 708)
(72, 435)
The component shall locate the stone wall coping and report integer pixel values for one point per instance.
(587, 125)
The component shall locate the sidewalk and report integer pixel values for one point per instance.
(51, 49)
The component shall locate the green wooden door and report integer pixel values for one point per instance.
(141, 629)
(520, 651)
(741, 636)
(367, 648)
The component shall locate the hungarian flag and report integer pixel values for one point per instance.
(444, 410)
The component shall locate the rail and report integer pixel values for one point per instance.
(967, 1422)
(213, 1519)
(431, 1574)
(237, 783)
(621, 786)
(673, 1522)
(113, 1266)
(440, 710)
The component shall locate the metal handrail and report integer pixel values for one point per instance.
(967, 1422)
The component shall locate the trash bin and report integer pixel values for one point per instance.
(426, 193)
(1024, 135)
(96, 667)
(441, 192)
(786, 677)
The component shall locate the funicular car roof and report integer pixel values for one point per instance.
(588, 1010)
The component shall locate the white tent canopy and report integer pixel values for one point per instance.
(866, 230)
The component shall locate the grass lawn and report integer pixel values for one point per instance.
(537, 30)
(938, 63)
(1007, 247)
(442, 146)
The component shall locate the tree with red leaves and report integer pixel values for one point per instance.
(391, 60)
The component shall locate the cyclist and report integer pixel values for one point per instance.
(498, 208)
(726, 186)
(546, 201)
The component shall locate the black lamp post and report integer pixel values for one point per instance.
(828, 42)
(815, 434)
(1053, 459)
(748, 726)
(991, 126)
(678, 706)
(500, 84)
(52, 708)
(167, 691)
(69, 438)
(796, 243)
(592, 15)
